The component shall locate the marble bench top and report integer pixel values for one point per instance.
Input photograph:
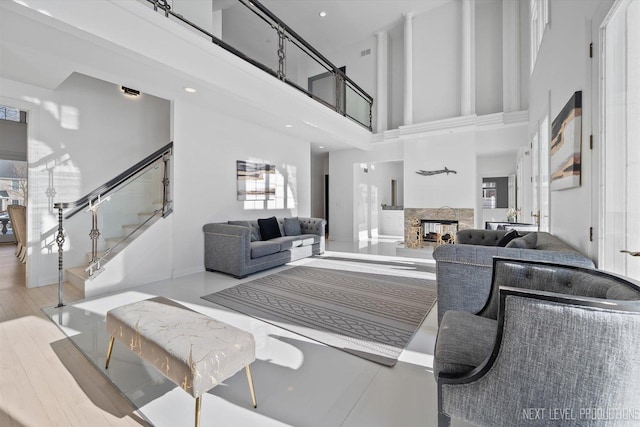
(191, 349)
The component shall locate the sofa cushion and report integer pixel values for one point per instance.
(507, 238)
(269, 228)
(255, 233)
(264, 248)
(527, 241)
(464, 342)
(287, 242)
(292, 227)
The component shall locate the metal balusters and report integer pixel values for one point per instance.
(60, 242)
(281, 54)
(94, 235)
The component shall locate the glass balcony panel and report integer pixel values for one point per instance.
(358, 107)
(250, 34)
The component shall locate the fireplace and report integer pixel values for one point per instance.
(443, 220)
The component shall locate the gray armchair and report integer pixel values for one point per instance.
(553, 344)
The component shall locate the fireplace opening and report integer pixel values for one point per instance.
(439, 231)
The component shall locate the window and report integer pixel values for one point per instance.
(539, 21)
(15, 202)
(15, 185)
(12, 114)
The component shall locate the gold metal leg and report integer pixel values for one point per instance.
(250, 379)
(106, 366)
(198, 410)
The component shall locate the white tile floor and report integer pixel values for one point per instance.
(298, 382)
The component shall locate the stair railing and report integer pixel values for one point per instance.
(96, 200)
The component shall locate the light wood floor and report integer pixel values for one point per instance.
(44, 380)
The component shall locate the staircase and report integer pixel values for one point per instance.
(122, 212)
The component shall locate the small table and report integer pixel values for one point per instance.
(192, 350)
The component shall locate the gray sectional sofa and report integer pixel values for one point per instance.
(464, 270)
(237, 247)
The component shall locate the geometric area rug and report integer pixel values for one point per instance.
(373, 316)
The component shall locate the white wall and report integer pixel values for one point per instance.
(563, 67)
(456, 151)
(437, 43)
(207, 146)
(79, 136)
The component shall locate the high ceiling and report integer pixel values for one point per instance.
(347, 21)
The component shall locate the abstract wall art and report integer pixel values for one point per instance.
(256, 181)
(565, 162)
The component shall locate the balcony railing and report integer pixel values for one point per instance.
(286, 57)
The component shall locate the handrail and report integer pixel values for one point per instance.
(110, 185)
(282, 28)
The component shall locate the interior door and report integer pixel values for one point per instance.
(620, 134)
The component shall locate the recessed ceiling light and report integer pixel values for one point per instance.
(321, 146)
(322, 14)
(288, 126)
(190, 90)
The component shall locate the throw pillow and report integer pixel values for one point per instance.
(269, 228)
(292, 227)
(528, 241)
(254, 232)
(507, 238)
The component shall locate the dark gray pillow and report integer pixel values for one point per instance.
(528, 241)
(254, 232)
(292, 227)
(269, 228)
(507, 238)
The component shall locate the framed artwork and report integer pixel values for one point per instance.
(566, 146)
(256, 181)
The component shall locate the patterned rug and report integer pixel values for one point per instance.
(373, 316)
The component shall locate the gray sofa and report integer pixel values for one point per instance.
(464, 270)
(237, 248)
(551, 341)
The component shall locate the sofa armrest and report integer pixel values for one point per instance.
(314, 226)
(226, 247)
(463, 272)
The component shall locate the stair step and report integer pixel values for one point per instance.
(77, 277)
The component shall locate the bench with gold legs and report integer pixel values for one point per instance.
(192, 350)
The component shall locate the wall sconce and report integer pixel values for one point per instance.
(129, 91)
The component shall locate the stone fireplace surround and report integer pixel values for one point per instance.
(464, 216)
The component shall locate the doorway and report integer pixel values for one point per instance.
(13, 185)
(620, 134)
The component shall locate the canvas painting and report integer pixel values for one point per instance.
(566, 145)
(256, 181)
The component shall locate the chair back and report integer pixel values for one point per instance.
(557, 278)
(18, 218)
